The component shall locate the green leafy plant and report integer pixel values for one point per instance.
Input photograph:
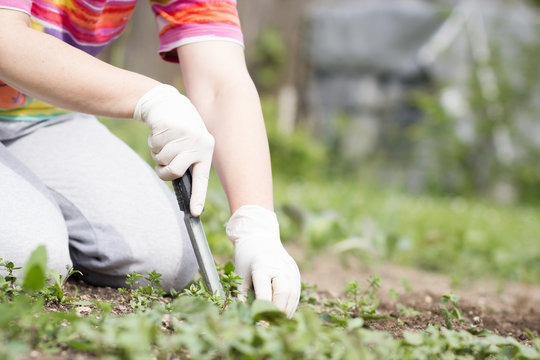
(141, 297)
(55, 291)
(8, 285)
(450, 309)
(406, 311)
(192, 325)
(394, 295)
(229, 280)
(358, 303)
(35, 270)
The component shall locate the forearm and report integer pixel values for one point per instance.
(229, 104)
(241, 155)
(52, 71)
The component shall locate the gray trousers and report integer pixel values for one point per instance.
(72, 186)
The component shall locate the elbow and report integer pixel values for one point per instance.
(221, 89)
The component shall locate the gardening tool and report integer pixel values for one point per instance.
(207, 267)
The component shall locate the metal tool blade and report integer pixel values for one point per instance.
(207, 266)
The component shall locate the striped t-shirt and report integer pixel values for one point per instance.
(91, 25)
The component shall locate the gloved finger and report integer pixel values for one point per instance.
(199, 186)
(244, 288)
(158, 139)
(281, 287)
(176, 168)
(149, 142)
(292, 302)
(262, 283)
(169, 152)
(296, 288)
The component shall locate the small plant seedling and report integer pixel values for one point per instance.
(307, 293)
(406, 283)
(8, 284)
(230, 282)
(55, 291)
(35, 270)
(406, 311)
(394, 295)
(141, 297)
(359, 303)
(450, 309)
(9, 267)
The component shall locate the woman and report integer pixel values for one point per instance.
(69, 184)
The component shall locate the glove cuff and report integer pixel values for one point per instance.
(155, 94)
(250, 220)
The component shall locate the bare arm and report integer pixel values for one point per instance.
(50, 70)
(221, 89)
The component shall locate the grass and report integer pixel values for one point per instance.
(456, 236)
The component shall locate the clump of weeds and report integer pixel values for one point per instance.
(141, 297)
(358, 303)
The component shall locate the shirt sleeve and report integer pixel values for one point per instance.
(182, 22)
(20, 5)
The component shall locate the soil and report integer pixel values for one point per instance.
(507, 309)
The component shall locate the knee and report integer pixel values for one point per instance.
(134, 235)
(36, 224)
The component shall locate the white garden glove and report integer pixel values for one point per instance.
(179, 139)
(261, 260)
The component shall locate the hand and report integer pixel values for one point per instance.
(261, 260)
(179, 139)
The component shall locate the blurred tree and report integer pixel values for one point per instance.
(268, 59)
(287, 19)
(502, 154)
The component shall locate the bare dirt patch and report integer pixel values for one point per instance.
(507, 309)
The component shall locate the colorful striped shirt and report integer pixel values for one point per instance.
(91, 25)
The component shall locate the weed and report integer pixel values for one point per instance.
(229, 280)
(35, 270)
(191, 326)
(9, 267)
(141, 297)
(55, 291)
(450, 309)
(406, 311)
(8, 285)
(308, 294)
(358, 303)
(394, 295)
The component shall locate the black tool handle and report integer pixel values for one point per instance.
(182, 189)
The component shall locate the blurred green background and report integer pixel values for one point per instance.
(442, 174)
